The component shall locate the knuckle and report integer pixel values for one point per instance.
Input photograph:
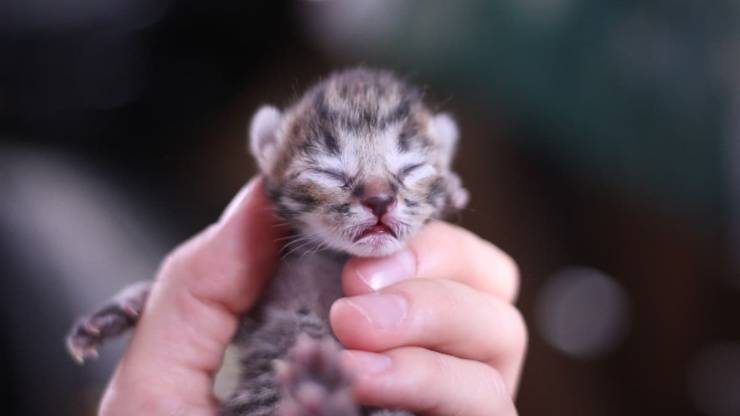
(505, 270)
(491, 261)
(510, 269)
(171, 264)
(175, 265)
(187, 257)
(517, 327)
(512, 328)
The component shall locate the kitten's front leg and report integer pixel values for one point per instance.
(114, 318)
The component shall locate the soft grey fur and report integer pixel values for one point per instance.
(354, 109)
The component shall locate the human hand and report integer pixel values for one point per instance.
(432, 329)
(208, 282)
(192, 312)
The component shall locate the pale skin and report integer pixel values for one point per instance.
(431, 330)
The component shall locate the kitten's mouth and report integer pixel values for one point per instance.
(376, 230)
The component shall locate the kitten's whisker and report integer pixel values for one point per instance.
(297, 242)
(311, 250)
(294, 249)
(302, 243)
(284, 238)
(320, 246)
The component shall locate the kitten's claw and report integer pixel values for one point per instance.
(90, 332)
(80, 352)
(132, 310)
(91, 328)
(313, 380)
(113, 319)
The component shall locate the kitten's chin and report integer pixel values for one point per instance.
(375, 246)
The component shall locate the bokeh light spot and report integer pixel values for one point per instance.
(582, 312)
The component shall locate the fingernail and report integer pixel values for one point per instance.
(378, 273)
(238, 199)
(362, 363)
(382, 311)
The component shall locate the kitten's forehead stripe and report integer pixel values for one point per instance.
(332, 146)
(404, 140)
(399, 113)
(362, 99)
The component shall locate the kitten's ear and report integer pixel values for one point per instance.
(457, 195)
(263, 136)
(443, 128)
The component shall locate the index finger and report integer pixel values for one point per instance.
(439, 251)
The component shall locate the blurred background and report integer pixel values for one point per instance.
(600, 143)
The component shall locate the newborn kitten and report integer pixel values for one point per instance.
(356, 166)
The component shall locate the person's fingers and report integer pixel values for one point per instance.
(192, 312)
(438, 314)
(429, 383)
(442, 251)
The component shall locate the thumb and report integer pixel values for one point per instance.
(193, 310)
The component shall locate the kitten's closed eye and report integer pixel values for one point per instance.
(328, 177)
(410, 168)
(415, 171)
(334, 174)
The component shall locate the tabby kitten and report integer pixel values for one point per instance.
(356, 166)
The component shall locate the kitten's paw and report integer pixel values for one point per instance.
(386, 412)
(113, 319)
(313, 380)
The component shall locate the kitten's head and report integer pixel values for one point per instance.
(358, 164)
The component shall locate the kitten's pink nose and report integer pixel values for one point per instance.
(379, 203)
